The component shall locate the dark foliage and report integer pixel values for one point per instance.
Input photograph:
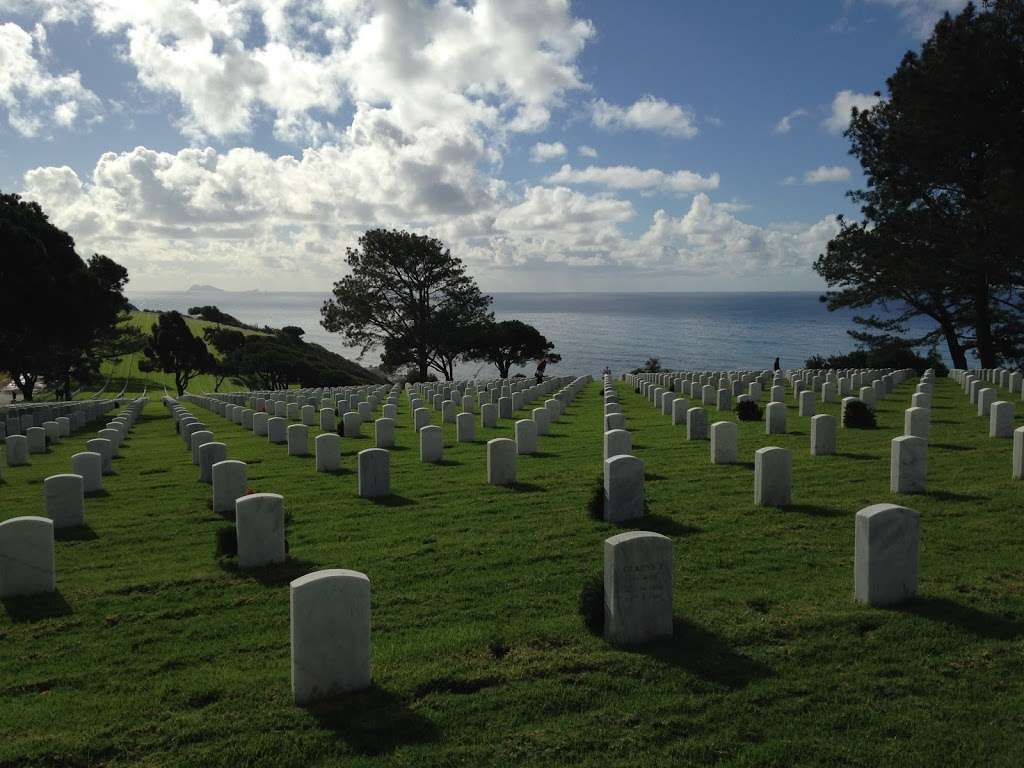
(59, 312)
(859, 415)
(943, 156)
(214, 315)
(748, 410)
(889, 353)
(407, 295)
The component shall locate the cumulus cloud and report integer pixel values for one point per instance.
(587, 151)
(35, 99)
(245, 217)
(785, 125)
(491, 66)
(842, 105)
(540, 152)
(826, 173)
(646, 114)
(628, 177)
(709, 239)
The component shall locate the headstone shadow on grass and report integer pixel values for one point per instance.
(692, 647)
(373, 721)
(77, 533)
(521, 487)
(393, 500)
(29, 608)
(859, 456)
(270, 575)
(972, 620)
(703, 653)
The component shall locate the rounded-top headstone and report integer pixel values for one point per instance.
(330, 633)
(65, 500)
(885, 554)
(89, 465)
(637, 587)
(26, 556)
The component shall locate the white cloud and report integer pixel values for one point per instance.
(490, 66)
(709, 239)
(842, 104)
(646, 114)
(246, 219)
(820, 175)
(628, 177)
(541, 152)
(920, 16)
(785, 125)
(587, 151)
(826, 173)
(35, 99)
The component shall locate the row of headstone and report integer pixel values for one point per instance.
(638, 573)
(27, 560)
(724, 435)
(258, 517)
(1000, 413)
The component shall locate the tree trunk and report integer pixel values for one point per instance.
(983, 325)
(956, 350)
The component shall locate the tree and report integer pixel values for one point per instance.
(511, 343)
(401, 286)
(59, 310)
(944, 159)
(173, 349)
(213, 314)
(225, 341)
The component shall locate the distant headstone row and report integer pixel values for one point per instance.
(27, 564)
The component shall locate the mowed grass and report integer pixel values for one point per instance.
(154, 653)
(124, 372)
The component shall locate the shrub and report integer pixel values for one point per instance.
(227, 542)
(859, 415)
(591, 605)
(748, 410)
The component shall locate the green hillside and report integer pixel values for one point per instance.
(125, 371)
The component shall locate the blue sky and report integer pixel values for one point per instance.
(553, 146)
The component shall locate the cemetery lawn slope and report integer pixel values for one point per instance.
(125, 372)
(154, 652)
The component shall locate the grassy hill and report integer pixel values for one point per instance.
(157, 653)
(126, 370)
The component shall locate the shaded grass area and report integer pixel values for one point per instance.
(155, 652)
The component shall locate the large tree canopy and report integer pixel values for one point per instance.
(173, 349)
(511, 343)
(943, 153)
(60, 313)
(402, 288)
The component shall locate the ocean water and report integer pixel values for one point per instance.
(686, 331)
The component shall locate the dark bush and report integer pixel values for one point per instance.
(591, 605)
(748, 410)
(859, 415)
(227, 542)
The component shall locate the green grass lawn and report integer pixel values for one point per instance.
(154, 653)
(118, 374)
